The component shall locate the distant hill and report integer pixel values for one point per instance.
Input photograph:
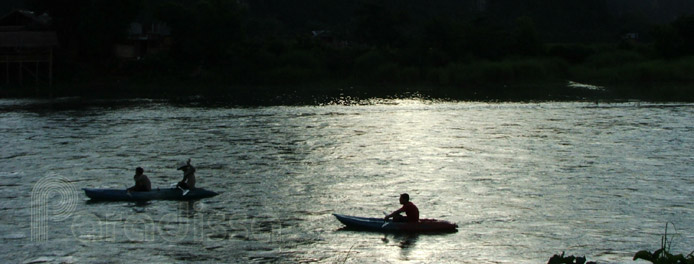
(6, 6)
(306, 15)
(659, 11)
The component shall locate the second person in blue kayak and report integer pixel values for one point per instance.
(411, 211)
(188, 182)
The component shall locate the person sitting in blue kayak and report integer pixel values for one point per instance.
(142, 183)
(411, 211)
(188, 182)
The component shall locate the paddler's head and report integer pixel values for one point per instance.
(139, 171)
(404, 198)
(183, 165)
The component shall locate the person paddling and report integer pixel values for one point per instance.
(142, 183)
(411, 211)
(188, 182)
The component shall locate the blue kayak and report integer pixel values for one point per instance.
(154, 194)
(378, 224)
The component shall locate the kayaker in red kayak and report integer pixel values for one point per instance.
(411, 211)
(142, 183)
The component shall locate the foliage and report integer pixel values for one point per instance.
(203, 31)
(572, 53)
(677, 38)
(560, 20)
(560, 259)
(613, 58)
(501, 72)
(89, 28)
(511, 48)
(663, 255)
(380, 25)
(526, 38)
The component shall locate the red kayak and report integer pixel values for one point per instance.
(378, 224)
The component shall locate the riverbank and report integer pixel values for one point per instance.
(345, 94)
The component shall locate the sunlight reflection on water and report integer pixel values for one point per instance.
(523, 181)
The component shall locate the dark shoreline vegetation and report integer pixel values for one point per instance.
(254, 53)
(662, 255)
(532, 79)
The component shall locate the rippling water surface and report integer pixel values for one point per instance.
(523, 181)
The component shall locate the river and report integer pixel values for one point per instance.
(523, 181)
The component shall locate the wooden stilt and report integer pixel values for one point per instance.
(50, 70)
(7, 69)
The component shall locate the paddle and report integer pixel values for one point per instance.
(179, 187)
(386, 221)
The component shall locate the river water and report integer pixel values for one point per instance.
(523, 181)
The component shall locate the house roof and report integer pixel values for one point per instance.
(22, 28)
(28, 39)
(24, 20)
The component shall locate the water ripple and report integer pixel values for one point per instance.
(521, 179)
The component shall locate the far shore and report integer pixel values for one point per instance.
(317, 94)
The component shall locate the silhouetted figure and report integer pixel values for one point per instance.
(411, 211)
(188, 182)
(142, 183)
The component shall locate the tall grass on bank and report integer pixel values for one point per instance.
(633, 76)
(512, 71)
(612, 69)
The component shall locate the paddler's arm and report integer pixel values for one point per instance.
(138, 185)
(187, 173)
(394, 213)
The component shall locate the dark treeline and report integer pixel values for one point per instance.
(474, 49)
